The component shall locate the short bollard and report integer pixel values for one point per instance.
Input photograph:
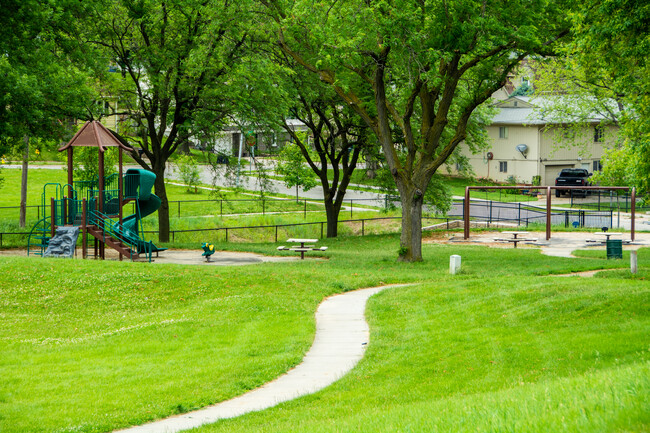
(454, 264)
(633, 258)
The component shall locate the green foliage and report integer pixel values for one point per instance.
(604, 67)
(618, 167)
(438, 195)
(189, 172)
(524, 90)
(174, 88)
(85, 163)
(177, 69)
(415, 72)
(291, 165)
(44, 80)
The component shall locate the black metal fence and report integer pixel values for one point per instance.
(222, 207)
(525, 214)
(271, 233)
(480, 210)
(608, 200)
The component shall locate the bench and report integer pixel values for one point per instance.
(515, 239)
(302, 248)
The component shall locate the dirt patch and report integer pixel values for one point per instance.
(430, 237)
(14, 252)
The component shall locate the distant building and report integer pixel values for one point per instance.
(108, 106)
(529, 148)
(228, 142)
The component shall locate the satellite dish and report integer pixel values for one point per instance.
(523, 149)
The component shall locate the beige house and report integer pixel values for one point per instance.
(108, 106)
(531, 149)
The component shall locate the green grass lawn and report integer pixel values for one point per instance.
(187, 209)
(92, 346)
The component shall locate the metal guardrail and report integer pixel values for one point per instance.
(114, 229)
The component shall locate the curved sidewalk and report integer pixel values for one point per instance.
(341, 338)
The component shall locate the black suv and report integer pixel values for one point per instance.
(572, 177)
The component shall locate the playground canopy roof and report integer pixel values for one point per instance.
(94, 134)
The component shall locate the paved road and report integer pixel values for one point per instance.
(250, 183)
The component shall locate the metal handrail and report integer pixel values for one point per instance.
(113, 228)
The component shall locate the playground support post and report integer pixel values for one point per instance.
(548, 213)
(70, 168)
(633, 211)
(120, 186)
(84, 230)
(52, 217)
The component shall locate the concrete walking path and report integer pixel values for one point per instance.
(342, 335)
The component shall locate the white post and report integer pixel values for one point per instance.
(633, 258)
(454, 264)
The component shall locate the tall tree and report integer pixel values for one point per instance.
(604, 68)
(336, 137)
(44, 77)
(335, 142)
(179, 61)
(415, 72)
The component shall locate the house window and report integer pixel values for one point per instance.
(598, 166)
(599, 134)
(459, 166)
(503, 166)
(503, 132)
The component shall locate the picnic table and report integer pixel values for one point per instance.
(608, 234)
(515, 239)
(302, 247)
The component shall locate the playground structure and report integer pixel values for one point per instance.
(96, 207)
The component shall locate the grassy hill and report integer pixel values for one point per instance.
(91, 346)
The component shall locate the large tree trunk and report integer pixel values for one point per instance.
(411, 237)
(23, 184)
(163, 211)
(332, 211)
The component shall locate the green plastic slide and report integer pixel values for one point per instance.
(138, 185)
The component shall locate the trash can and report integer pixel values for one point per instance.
(614, 249)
